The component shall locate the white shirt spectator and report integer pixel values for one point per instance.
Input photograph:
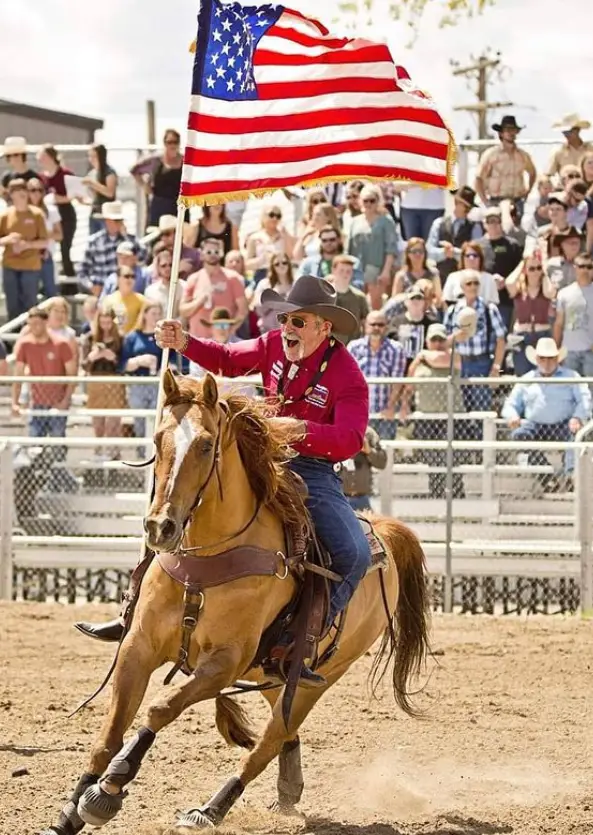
(488, 290)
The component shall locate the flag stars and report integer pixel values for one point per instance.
(210, 81)
(220, 72)
(231, 61)
(237, 38)
(217, 35)
(226, 48)
(226, 25)
(214, 58)
(230, 85)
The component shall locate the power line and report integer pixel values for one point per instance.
(479, 74)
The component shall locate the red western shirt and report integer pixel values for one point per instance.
(336, 412)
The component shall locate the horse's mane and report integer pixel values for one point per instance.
(264, 449)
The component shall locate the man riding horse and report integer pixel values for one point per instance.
(321, 395)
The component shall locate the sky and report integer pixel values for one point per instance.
(106, 59)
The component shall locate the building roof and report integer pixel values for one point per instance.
(58, 117)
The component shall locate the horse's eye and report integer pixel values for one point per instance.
(207, 447)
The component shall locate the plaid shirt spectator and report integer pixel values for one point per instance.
(100, 258)
(479, 344)
(388, 361)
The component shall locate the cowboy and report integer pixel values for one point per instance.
(323, 401)
(100, 257)
(540, 412)
(501, 172)
(15, 154)
(164, 233)
(448, 234)
(574, 149)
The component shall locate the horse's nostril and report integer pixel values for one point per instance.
(168, 530)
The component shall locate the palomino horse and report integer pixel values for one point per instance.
(221, 483)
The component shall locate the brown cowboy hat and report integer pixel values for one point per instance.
(466, 194)
(220, 316)
(566, 235)
(312, 295)
(506, 122)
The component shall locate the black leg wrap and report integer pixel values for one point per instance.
(216, 809)
(124, 767)
(290, 776)
(69, 822)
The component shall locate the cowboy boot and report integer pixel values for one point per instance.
(114, 630)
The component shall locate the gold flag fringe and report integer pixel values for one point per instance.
(192, 47)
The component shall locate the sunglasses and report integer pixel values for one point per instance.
(582, 266)
(276, 215)
(331, 240)
(296, 321)
(574, 176)
(127, 276)
(317, 201)
(416, 252)
(11, 156)
(472, 284)
(281, 263)
(471, 255)
(35, 190)
(537, 269)
(493, 220)
(172, 142)
(224, 326)
(211, 252)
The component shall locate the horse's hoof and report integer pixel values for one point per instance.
(195, 818)
(287, 810)
(97, 807)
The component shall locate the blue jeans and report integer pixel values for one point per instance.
(142, 397)
(96, 224)
(520, 362)
(337, 527)
(530, 431)
(477, 398)
(20, 289)
(416, 223)
(581, 362)
(48, 278)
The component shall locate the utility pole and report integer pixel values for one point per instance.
(480, 72)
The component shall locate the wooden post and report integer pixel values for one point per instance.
(6, 520)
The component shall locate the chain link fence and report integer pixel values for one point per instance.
(505, 521)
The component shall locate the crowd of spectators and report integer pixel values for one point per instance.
(403, 263)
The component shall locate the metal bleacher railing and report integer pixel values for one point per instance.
(71, 522)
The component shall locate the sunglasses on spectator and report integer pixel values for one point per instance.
(584, 265)
(493, 220)
(471, 255)
(211, 251)
(574, 176)
(172, 142)
(284, 263)
(331, 240)
(128, 276)
(276, 215)
(35, 190)
(11, 156)
(536, 269)
(416, 251)
(296, 321)
(437, 339)
(317, 200)
(224, 326)
(471, 284)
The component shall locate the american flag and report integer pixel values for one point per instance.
(277, 101)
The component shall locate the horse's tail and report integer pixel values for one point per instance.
(233, 723)
(405, 641)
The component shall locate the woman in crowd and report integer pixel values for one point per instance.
(472, 258)
(280, 279)
(214, 224)
(434, 363)
(102, 182)
(36, 191)
(141, 357)
(90, 311)
(271, 239)
(58, 322)
(416, 268)
(532, 293)
(308, 243)
(160, 178)
(234, 260)
(53, 179)
(313, 197)
(101, 351)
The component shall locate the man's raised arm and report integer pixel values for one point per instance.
(233, 360)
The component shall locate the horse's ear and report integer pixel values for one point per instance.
(210, 391)
(170, 385)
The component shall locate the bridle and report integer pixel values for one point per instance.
(214, 470)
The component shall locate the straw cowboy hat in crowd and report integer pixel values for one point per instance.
(167, 223)
(111, 211)
(14, 145)
(546, 348)
(572, 122)
(310, 294)
(506, 122)
(220, 316)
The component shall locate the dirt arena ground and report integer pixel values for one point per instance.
(506, 746)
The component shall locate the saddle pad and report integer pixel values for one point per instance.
(376, 544)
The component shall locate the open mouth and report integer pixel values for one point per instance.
(290, 342)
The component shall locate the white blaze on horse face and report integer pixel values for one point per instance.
(184, 435)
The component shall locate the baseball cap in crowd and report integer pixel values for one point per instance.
(558, 197)
(436, 331)
(493, 211)
(127, 248)
(415, 293)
